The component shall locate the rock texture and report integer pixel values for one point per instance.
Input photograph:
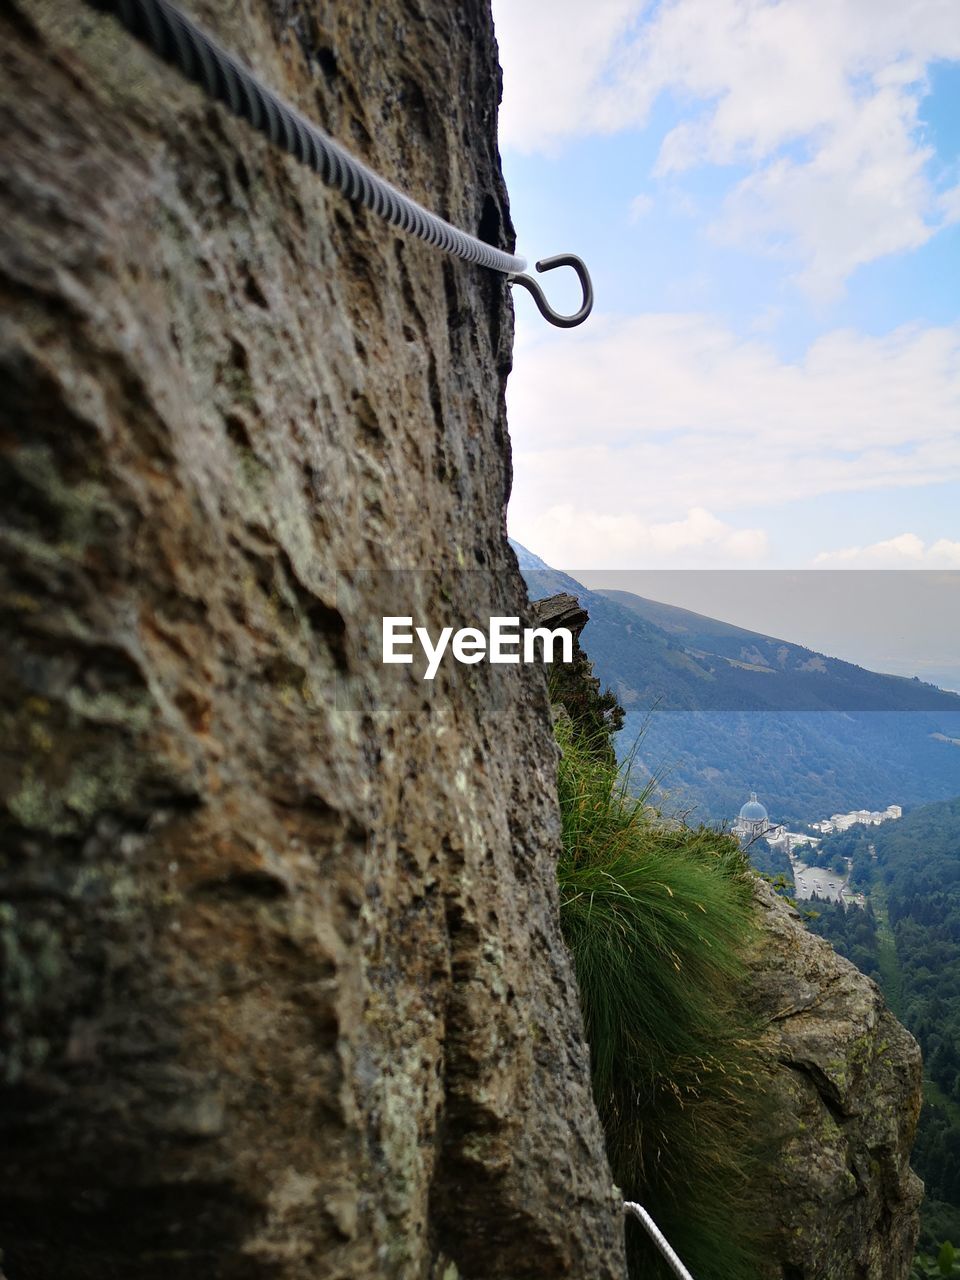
(596, 713)
(284, 988)
(846, 1081)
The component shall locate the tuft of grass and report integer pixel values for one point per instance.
(658, 917)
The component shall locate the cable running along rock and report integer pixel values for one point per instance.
(659, 1239)
(175, 38)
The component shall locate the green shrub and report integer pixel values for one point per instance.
(657, 917)
(946, 1263)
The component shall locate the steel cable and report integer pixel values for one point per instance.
(659, 1239)
(172, 36)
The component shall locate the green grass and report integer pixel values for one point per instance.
(658, 917)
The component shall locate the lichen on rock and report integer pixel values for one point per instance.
(845, 1076)
(284, 989)
(287, 993)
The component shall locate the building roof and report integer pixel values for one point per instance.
(753, 810)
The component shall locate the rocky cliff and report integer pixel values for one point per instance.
(844, 1076)
(284, 989)
(595, 711)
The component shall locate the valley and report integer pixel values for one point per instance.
(714, 713)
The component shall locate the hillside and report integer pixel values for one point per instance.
(734, 667)
(917, 874)
(911, 870)
(724, 711)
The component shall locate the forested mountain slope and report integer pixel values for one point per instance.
(725, 711)
(909, 940)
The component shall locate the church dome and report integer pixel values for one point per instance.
(753, 810)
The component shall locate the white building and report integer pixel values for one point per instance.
(754, 823)
(843, 821)
(790, 840)
(858, 817)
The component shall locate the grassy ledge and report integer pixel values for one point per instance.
(658, 917)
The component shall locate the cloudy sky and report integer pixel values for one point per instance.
(768, 197)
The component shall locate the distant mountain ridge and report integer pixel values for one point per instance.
(728, 711)
(739, 664)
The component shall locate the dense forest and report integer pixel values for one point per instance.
(773, 863)
(908, 939)
(853, 933)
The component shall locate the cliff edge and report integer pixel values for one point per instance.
(285, 992)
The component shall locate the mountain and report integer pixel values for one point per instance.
(730, 668)
(721, 711)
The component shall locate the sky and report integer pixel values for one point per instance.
(768, 198)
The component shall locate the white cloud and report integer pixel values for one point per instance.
(555, 54)
(949, 204)
(906, 551)
(863, 194)
(819, 98)
(646, 416)
(628, 380)
(581, 538)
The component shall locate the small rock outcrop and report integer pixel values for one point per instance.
(596, 712)
(845, 1077)
(285, 994)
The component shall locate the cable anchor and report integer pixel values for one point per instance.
(543, 306)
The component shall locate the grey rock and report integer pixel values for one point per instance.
(241, 421)
(846, 1079)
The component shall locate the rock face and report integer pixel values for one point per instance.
(846, 1080)
(285, 993)
(573, 685)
